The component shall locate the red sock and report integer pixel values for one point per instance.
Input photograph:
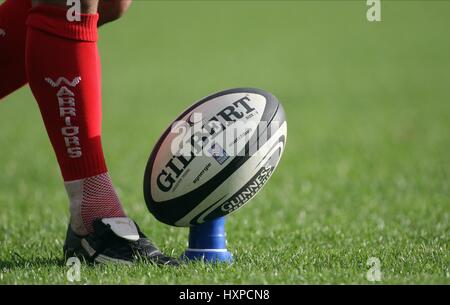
(63, 69)
(13, 14)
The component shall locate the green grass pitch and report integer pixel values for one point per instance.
(366, 171)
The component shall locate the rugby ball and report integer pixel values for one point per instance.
(215, 157)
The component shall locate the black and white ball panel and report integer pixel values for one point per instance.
(184, 189)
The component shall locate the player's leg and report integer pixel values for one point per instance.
(110, 10)
(13, 14)
(63, 70)
(64, 75)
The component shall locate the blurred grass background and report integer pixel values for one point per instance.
(366, 169)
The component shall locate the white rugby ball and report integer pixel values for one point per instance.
(215, 156)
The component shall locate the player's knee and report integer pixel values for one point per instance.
(111, 10)
(86, 6)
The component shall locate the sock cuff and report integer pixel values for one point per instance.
(53, 19)
(87, 166)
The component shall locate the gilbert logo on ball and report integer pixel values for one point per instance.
(215, 157)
